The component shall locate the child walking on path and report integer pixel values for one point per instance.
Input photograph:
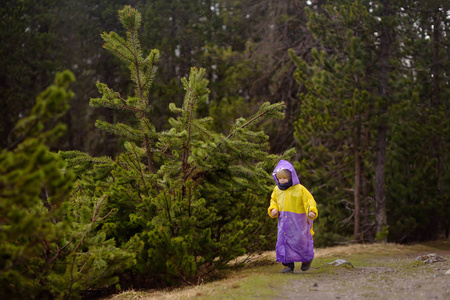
(296, 209)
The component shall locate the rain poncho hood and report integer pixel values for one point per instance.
(285, 165)
(294, 238)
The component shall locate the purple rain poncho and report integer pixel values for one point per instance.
(294, 238)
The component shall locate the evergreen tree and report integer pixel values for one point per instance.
(336, 108)
(79, 26)
(372, 49)
(416, 174)
(33, 190)
(190, 33)
(29, 55)
(195, 198)
(252, 62)
(47, 249)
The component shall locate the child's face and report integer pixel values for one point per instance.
(283, 176)
(282, 180)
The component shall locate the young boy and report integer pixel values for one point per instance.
(296, 209)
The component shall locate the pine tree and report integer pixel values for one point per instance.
(47, 244)
(29, 55)
(416, 174)
(33, 190)
(377, 50)
(335, 111)
(194, 197)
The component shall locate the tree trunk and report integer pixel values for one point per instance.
(380, 163)
(436, 102)
(435, 67)
(149, 152)
(380, 189)
(367, 225)
(357, 186)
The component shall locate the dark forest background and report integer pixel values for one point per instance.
(364, 87)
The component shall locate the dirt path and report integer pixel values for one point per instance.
(382, 278)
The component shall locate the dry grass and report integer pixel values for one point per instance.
(202, 290)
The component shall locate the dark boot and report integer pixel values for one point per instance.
(289, 268)
(306, 265)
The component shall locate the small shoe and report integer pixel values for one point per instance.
(287, 270)
(305, 266)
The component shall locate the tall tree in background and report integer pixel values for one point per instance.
(40, 38)
(197, 33)
(81, 23)
(29, 55)
(384, 55)
(440, 67)
(416, 174)
(392, 69)
(336, 108)
(273, 28)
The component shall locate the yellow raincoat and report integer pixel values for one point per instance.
(295, 228)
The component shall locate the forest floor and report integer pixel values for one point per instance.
(378, 271)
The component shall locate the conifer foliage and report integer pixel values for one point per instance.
(47, 248)
(196, 199)
(335, 118)
(32, 192)
(369, 104)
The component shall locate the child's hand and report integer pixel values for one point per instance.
(312, 215)
(274, 212)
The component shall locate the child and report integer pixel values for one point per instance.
(295, 208)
